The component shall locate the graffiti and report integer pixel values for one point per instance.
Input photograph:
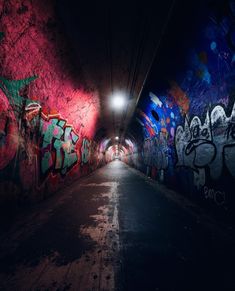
(94, 155)
(12, 89)
(155, 152)
(103, 144)
(57, 146)
(160, 116)
(18, 116)
(85, 151)
(38, 148)
(224, 101)
(35, 134)
(147, 151)
(160, 152)
(180, 97)
(210, 145)
(217, 196)
(197, 146)
(22, 120)
(11, 105)
(131, 146)
(8, 132)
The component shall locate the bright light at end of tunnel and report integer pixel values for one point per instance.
(118, 101)
(117, 137)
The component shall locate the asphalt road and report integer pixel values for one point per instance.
(115, 230)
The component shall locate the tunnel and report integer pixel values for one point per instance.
(117, 145)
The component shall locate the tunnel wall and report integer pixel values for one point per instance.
(188, 127)
(48, 116)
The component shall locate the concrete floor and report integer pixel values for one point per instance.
(116, 230)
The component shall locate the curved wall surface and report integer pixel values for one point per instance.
(186, 114)
(48, 116)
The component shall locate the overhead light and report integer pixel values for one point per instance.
(118, 101)
(117, 137)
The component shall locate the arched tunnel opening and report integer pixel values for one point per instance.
(117, 145)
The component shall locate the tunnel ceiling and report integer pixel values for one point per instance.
(114, 43)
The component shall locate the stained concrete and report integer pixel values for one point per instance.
(116, 230)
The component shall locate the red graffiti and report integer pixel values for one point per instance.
(180, 97)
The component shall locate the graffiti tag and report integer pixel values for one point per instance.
(85, 151)
(58, 145)
(207, 145)
(217, 196)
(155, 152)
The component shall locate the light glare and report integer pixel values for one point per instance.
(118, 101)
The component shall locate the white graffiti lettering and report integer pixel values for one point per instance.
(207, 145)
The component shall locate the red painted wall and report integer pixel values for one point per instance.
(48, 117)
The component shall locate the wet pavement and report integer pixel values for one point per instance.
(116, 230)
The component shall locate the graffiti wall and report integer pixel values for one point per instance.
(188, 126)
(38, 151)
(207, 144)
(48, 117)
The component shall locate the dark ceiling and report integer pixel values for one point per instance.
(115, 43)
